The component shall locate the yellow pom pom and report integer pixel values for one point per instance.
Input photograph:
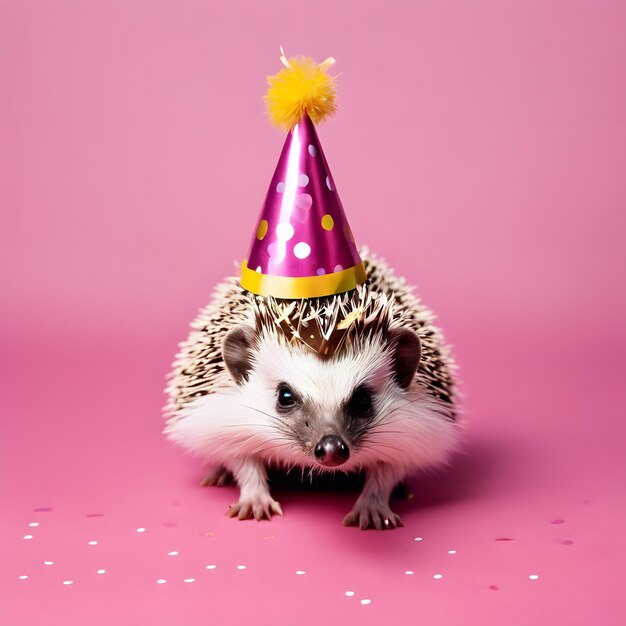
(302, 86)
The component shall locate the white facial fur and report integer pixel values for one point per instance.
(410, 428)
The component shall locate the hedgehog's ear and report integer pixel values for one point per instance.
(407, 352)
(237, 352)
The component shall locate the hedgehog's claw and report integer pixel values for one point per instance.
(380, 518)
(259, 509)
(218, 477)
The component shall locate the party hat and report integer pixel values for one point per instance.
(302, 246)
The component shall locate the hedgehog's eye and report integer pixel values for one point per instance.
(286, 397)
(360, 404)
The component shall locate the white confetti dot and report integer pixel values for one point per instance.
(300, 572)
(189, 580)
(173, 553)
(349, 593)
(141, 530)
(338, 268)
(418, 539)
(161, 581)
(258, 269)
(93, 542)
(303, 181)
(101, 571)
(241, 567)
(48, 562)
(23, 577)
(284, 231)
(33, 524)
(409, 572)
(312, 150)
(438, 576)
(321, 271)
(280, 187)
(328, 183)
(533, 576)
(451, 551)
(68, 582)
(28, 536)
(366, 601)
(302, 250)
(211, 566)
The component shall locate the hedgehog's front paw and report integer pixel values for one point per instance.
(262, 506)
(372, 515)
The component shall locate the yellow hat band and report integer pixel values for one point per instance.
(298, 287)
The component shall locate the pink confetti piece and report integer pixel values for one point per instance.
(567, 542)
(94, 515)
(43, 509)
(504, 539)
(494, 587)
(557, 521)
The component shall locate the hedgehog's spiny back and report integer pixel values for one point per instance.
(199, 369)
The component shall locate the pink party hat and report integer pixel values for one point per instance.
(303, 246)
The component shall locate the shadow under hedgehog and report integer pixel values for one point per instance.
(318, 356)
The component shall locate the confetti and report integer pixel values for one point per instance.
(23, 577)
(101, 571)
(366, 601)
(504, 539)
(189, 580)
(567, 542)
(94, 514)
(173, 553)
(48, 562)
(141, 530)
(533, 576)
(33, 524)
(161, 581)
(451, 551)
(28, 536)
(208, 533)
(68, 582)
(93, 542)
(241, 567)
(438, 576)
(43, 509)
(557, 521)
(494, 587)
(409, 572)
(211, 566)
(418, 539)
(349, 593)
(300, 572)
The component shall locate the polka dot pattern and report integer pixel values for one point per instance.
(302, 228)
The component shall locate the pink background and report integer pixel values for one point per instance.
(480, 148)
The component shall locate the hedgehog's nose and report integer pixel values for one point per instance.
(331, 451)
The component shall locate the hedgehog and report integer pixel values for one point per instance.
(247, 394)
(318, 358)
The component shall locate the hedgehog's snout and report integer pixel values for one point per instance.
(331, 451)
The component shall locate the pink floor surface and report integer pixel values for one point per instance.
(525, 528)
